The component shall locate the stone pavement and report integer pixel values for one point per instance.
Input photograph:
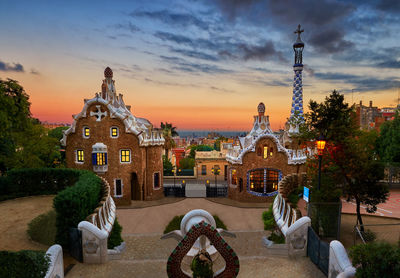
(146, 256)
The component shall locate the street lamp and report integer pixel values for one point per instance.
(173, 171)
(216, 172)
(321, 142)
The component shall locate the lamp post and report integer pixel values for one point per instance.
(216, 172)
(173, 171)
(321, 142)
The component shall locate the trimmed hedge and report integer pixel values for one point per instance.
(42, 229)
(75, 203)
(115, 238)
(37, 181)
(23, 264)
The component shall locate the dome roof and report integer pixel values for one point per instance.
(261, 108)
(108, 73)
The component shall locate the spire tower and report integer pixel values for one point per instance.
(296, 114)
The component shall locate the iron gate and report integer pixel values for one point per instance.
(75, 244)
(318, 251)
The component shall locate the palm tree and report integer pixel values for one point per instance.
(169, 131)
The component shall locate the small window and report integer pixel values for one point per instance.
(114, 132)
(125, 156)
(99, 159)
(86, 132)
(79, 156)
(204, 170)
(156, 180)
(118, 187)
(265, 152)
(271, 151)
(259, 151)
(233, 177)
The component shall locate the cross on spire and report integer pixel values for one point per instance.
(299, 31)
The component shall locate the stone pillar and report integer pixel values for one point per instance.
(94, 243)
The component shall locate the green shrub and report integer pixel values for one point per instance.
(368, 235)
(42, 229)
(175, 224)
(75, 203)
(376, 259)
(23, 264)
(277, 238)
(293, 197)
(37, 181)
(202, 265)
(115, 238)
(269, 220)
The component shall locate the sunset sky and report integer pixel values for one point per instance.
(200, 64)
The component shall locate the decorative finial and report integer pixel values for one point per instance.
(108, 73)
(261, 108)
(299, 31)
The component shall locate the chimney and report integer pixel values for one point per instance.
(370, 103)
(360, 103)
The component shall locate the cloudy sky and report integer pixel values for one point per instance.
(201, 64)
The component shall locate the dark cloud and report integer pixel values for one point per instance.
(223, 49)
(360, 83)
(17, 67)
(392, 6)
(261, 52)
(35, 72)
(393, 64)
(180, 64)
(233, 8)
(172, 18)
(330, 41)
(222, 90)
(129, 26)
(195, 54)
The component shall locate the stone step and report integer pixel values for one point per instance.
(281, 250)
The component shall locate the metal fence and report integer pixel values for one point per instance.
(175, 191)
(380, 232)
(216, 191)
(325, 219)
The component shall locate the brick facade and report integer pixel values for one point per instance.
(137, 176)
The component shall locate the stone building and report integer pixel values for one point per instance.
(206, 161)
(106, 138)
(263, 158)
(260, 162)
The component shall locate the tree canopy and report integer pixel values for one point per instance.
(350, 162)
(23, 140)
(388, 144)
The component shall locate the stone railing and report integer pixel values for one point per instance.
(97, 228)
(284, 215)
(339, 263)
(56, 267)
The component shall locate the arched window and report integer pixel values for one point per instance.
(263, 181)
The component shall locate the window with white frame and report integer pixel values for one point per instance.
(114, 132)
(86, 132)
(125, 156)
(79, 156)
(118, 187)
(156, 180)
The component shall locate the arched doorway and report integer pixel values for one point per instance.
(135, 187)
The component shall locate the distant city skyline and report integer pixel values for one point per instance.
(200, 64)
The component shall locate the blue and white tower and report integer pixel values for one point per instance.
(296, 115)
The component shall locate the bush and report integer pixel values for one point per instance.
(115, 238)
(37, 181)
(277, 238)
(269, 220)
(23, 264)
(376, 259)
(294, 198)
(75, 203)
(42, 229)
(202, 265)
(175, 223)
